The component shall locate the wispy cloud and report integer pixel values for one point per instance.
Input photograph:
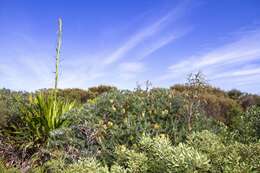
(129, 70)
(81, 72)
(131, 67)
(148, 32)
(238, 73)
(156, 45)
(79, 75)
(227, 61)
(25, 75)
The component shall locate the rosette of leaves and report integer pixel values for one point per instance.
(41, 115)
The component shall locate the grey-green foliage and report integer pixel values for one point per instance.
(205, 141)
(158, 155)
(252, 121)
(203, 152)
(75, 141)
(9, 109)
(229, 157)
(246, 126)
(84, 165)
(135, 162)
(120, 118)
(78, 139)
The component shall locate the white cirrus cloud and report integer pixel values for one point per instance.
(148, 32)
(223, 63)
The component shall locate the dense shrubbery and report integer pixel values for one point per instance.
(8, 104)
(79, 95)
(234, 157)
(215, 102)
(188, 128)
(202, 152)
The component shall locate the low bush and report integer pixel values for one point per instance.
(247, 126)
(30, 131)
(80, 96)
(86, 165)
(9, 105)
(234, 157)
(249, 100)
(157, 154)
(214, 102)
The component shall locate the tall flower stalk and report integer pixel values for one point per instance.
(59, 41)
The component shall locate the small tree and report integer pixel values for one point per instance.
(195, 83)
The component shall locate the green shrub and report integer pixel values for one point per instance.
(157, 155)
(249, 100)
(163, 157)
(246, 127)
(121, 117)
(234, 157)
(9, 110)
(79, 96)
(237, 158)
(75, 141)
(86, 165)
(110, 129)
(213, 102)
(38, 118)
(4, 169)
(252, 122)
(98, 90)
(32, 127)
(235, 94)
(135, 162)
(205, 141)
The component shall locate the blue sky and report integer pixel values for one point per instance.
(124, 42)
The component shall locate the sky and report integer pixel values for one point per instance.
(125, 43)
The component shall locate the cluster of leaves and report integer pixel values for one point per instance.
(31, 129)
